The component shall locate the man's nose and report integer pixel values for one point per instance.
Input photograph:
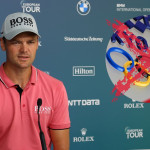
(24, 47)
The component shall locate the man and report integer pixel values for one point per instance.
(21, 85)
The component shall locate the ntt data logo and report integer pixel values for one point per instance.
(83, 7)
(84, 102)
(83, 70)
(134, 133)
(83, 138)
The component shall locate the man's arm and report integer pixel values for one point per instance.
(60, 139)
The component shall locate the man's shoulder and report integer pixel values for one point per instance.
(44, 77)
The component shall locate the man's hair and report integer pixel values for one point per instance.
(30, 33)
(4, 39)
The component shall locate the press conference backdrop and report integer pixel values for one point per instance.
(75, 36)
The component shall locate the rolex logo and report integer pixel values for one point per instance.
(83, 131)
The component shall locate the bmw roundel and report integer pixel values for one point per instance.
(83, 7)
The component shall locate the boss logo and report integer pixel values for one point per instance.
(43, 110)
(18, 21)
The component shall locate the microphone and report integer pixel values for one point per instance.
(42, 137)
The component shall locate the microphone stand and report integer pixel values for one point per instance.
(42, 137)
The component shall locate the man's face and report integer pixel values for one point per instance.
(21, 50)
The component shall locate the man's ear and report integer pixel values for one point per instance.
(2, 44)
(38, 43)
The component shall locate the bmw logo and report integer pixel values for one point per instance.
(83, 7)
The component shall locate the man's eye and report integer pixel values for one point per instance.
(15, 42)
(31, 42)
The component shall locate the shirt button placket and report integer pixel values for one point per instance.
(24, 109)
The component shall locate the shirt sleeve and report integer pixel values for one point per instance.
(60, 118)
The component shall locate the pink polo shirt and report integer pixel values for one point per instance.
(18, 118)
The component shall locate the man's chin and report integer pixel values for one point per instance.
(24, 66)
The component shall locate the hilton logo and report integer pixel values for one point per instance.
(83, 70)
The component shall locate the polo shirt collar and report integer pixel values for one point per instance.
(33, 78)
(8, 83)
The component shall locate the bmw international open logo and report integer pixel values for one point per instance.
(83, 7)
